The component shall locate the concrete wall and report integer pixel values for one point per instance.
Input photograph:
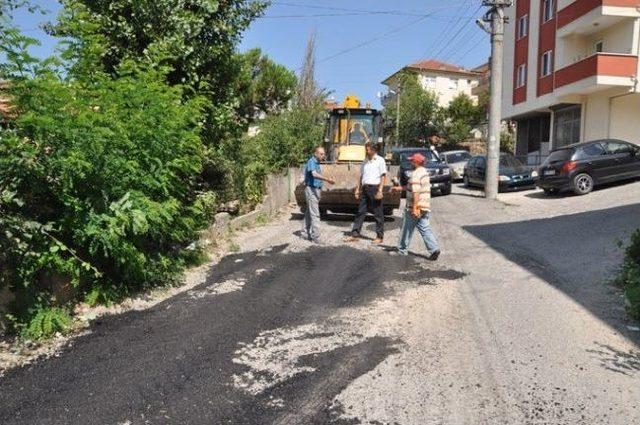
(625, 112)
(448, 86)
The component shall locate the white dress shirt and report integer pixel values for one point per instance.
(373, 169)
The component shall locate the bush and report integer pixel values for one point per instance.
(46, 323)
(98, 183)
(284, 140)
(629, 276)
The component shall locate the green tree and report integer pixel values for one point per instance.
(418, 112)
(98, 179)
(264, 87)
(459, 118)
(194, 40)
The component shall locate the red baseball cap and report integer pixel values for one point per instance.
(417, 157)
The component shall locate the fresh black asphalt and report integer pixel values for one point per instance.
(173, 363)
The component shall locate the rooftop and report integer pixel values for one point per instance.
(436, 66)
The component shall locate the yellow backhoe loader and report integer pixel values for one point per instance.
(348, 127)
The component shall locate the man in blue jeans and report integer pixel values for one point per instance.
(313, 179)
(418, 209)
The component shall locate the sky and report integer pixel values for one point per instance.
(358, 42)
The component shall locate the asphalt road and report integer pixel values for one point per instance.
(515, 324)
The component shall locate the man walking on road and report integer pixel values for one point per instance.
(369, 191)
(418, 209)
(313, 181)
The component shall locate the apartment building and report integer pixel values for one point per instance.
(447, 81)
(571, 72)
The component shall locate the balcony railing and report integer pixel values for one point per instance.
(581, 7)
(601, 64)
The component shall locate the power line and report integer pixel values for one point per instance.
(472, 48)
(443, 35)
(381, 12)
(462, 42)
(445, 45)
(373, 40)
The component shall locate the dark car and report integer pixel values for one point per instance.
(582, 166)
(439, 172)
(512, 173)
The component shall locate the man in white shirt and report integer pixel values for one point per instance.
(373, 173)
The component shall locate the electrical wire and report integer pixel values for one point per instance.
(445, 45)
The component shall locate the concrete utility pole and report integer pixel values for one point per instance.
(496, 17)
(398, 90)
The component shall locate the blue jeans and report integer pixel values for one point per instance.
(422, 223)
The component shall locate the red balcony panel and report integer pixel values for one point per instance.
(581, 7)
(605, 64)
(545, 85)
(519, 94)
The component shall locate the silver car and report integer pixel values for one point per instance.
(456, 160)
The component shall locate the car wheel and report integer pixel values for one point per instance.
(388, 211)
(582, 184)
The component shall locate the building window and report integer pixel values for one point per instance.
(453, 84)
(599, 46)
(431, 82)
(522, 76)
(546, 67)
(523, 24)
(566, 126)
(547, 10)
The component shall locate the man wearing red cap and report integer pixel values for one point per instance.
(418, 209)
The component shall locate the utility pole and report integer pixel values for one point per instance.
(398, 90)
(494, 16)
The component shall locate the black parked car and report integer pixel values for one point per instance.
(513, 174)
(439, 172)
(582, 166)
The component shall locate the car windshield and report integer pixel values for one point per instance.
(509, 161)
(559, 156)
(452, 158)
(403, 157)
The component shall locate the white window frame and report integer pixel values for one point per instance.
(545, 71)
(547, 10)
(523, 26)
(595, 46)
(453, 84)
(430, 82)
(521, 77)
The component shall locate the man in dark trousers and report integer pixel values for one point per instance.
(373, 173)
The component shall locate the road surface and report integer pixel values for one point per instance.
(515, 324)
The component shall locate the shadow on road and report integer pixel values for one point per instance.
(262, 340)
(577, 254)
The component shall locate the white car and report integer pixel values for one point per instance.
(456, 160)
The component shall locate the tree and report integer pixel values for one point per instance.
(194, 39)
(264, 87)
(418, 112)
(459, 118)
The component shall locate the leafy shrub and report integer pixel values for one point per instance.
(629, 276)
(46, 323)
(284, 140)
(98, 181)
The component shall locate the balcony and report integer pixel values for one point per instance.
(597, 72)
(589, 16)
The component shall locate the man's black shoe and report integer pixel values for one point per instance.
(434, 256)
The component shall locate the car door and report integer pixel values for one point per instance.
(623, 156)
(597, 162)
(469, 169)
